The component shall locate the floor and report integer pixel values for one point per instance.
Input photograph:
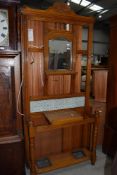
(101, 167)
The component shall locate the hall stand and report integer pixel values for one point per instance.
(60, 129)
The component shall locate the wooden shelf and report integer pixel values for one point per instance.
(50, 127)
(60, 72)
(35, 49)
(63, 160)
(63, 116)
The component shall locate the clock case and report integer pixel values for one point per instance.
(13, 25)
(12, 157)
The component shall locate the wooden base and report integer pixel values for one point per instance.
(63, 156)
(63, 160)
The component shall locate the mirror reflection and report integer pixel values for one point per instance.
(60, 54)
(83, 73)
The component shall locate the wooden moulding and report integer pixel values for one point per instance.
(10, 139)
(60, 72)
(56, 96)
(34, 49)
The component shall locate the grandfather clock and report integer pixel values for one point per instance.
(11, 142)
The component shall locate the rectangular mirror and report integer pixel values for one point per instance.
(83, 73)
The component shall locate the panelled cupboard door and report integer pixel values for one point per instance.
(9, 82)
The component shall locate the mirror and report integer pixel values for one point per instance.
(84, 37)
(60, 54)
(83, 73)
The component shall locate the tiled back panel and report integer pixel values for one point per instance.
(55, 104)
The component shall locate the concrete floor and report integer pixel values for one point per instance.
(101, 167)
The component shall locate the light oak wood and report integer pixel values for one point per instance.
(39, 139)
(54, 134)
(62, 116)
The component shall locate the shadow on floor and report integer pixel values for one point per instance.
(108, 166)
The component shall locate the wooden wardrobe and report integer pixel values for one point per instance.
(110, 134)
(60, 129)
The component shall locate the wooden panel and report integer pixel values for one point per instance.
(49, 26)
(59, 84)
(67, 84)
(17, 165)
(7, 100)
(72, 138)
(67, 139)
(47, 143)
(36, 74)
(100, 85)
(38, 35)
(8, 93)
(77, 137)
(10, 120)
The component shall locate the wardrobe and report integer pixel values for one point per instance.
(110, 134)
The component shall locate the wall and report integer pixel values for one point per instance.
(100, 41)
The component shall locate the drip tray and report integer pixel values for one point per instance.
(78, 154)
(44, 162)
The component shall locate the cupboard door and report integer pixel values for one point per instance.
(9, 85)
(110, 133)
(7, 101)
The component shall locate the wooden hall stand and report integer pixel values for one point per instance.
(60, 129)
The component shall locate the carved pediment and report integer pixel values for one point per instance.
(59, 7)
(57, 12)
